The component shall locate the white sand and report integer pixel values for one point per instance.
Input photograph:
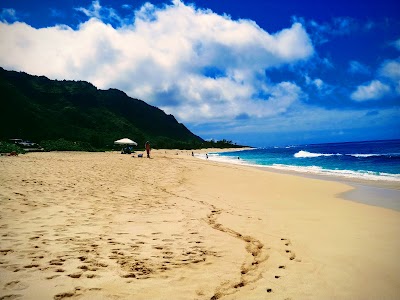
(109, 226)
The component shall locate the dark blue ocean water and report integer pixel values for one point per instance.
(373, 160)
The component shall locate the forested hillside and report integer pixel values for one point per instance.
(43, 110)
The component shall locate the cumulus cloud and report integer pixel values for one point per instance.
(317, 83)
(193, 63)
(319, 86)
(390, 69)
(386, 83)
(372, 91)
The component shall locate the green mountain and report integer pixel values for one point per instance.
(42, 110)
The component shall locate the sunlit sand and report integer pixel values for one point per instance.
(110, 226)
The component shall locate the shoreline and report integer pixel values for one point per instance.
(381, 193)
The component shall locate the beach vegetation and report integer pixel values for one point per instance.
(6, 147)
(64, 145)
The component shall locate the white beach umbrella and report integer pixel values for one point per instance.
(125, 141)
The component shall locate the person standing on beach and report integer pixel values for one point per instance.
(147, 146)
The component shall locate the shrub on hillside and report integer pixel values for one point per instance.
(64, 145)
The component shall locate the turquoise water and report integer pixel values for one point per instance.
(372, 160)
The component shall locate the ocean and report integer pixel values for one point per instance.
(369, 160)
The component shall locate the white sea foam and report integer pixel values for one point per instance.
(306, 154)
(375, 154)
(224, 159)
(364, 155)
(368, 175)
(315, 170)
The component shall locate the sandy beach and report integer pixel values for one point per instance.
(109, 226)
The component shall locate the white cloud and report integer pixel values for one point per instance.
(386, 82)
(371, 91)
(8, 15)
(358, 68)
(321, 87)
(93, 11)
(126, 6)
(343, 25)
(322, 32)
(390, 69)
(326, 63)
(165, 58)
(397, 44)
(318, 83)
(102, 13)
(306, 119)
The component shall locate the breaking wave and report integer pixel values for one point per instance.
(305, 154)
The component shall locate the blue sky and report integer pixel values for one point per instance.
(255, 72)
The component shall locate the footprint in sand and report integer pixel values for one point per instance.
(87, 268)
(75, 275)
(292, 255)
(59, 270)
(64, 295)
(11, 297)
(16, 285)
(31, 266)
(57, 262)
(167, 240)
(6, 251)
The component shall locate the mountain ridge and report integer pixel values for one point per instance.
(40, 109)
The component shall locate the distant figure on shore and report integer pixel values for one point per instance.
(207, 155)
(147, 146)
(192, 153)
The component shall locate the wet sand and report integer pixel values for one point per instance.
(376, 196)
(109, 226)
(380, 193)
